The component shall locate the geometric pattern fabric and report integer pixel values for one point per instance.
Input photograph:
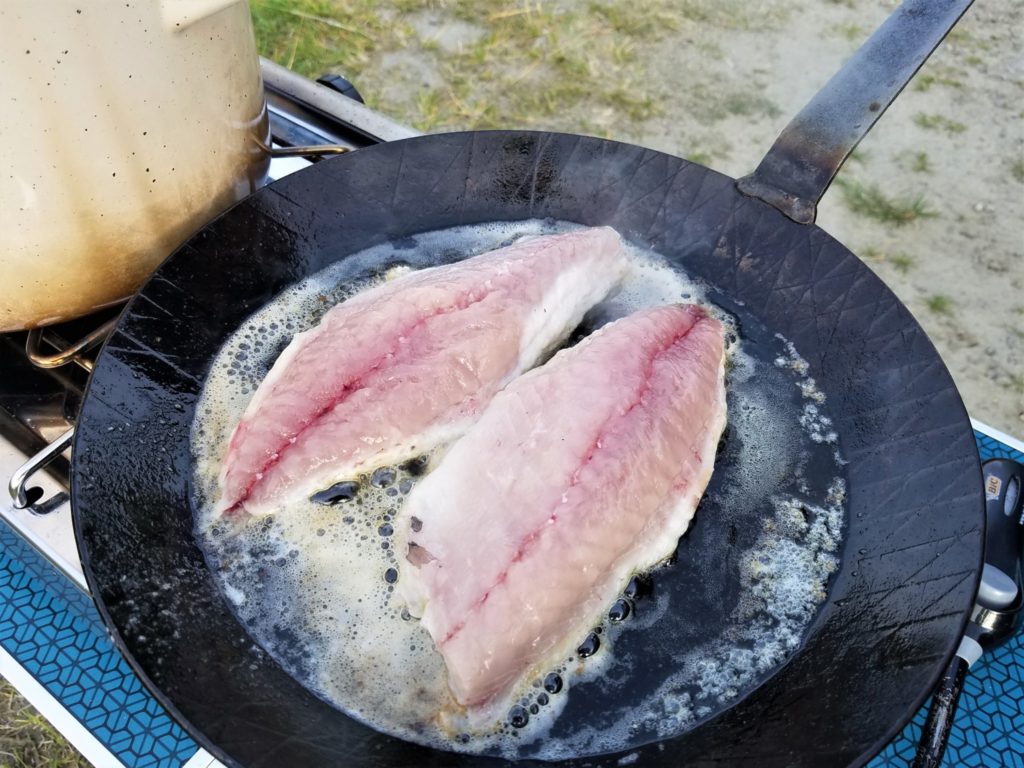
(989, 727)
(53, 630)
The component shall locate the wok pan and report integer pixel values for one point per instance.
(895, 609)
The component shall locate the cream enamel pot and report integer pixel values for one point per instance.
(126, 126)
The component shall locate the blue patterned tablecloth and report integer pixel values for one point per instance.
(989, 726)
(53, 630)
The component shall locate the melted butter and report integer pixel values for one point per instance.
(315, 585)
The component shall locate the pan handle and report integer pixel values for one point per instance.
(801, 164)
(935, 735)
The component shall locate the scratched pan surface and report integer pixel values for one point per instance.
(913, 540)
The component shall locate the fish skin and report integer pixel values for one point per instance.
(579, 474)
(408, 364)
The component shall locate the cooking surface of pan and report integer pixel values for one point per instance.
(747, 579)
(914, 532)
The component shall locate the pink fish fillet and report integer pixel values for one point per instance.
(579, 474)
(410, 363)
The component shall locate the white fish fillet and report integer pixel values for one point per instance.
(409, 364)
(579, 474)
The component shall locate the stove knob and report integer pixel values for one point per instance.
(341, 85)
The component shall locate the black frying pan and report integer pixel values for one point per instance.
(913, 544)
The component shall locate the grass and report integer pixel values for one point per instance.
(859, 156)
(869, 200)
(563, 66)
(851, 31)
(530, 63)
(719, 102)
(27, 740)
(940, 304)
(318, 36)
(872, 254)
(750, 103)
(699, 157)
(963, 38)
(938, 122)
(537, 62)
(1017, 169)
(901, 262)
(937, 75)
(920, 163)
(624, 20)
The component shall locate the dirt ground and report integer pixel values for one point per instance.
(954, 137)
(933, 199)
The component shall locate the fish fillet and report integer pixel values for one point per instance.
(410, 363)
(579, 474)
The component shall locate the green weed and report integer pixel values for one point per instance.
(1017, 169)
(940, 304)
(872, 254)
(317, 36)
(947, 77)
(859, 156)
(747, 103)
(901, 262)
(851, 32)
(869, 200)
(27, 740)
(569, 66)
(537, 65)
(938, 122)
(699, 157)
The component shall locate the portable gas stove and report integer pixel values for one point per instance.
(55, 649)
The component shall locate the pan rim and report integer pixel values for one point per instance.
(193, 731)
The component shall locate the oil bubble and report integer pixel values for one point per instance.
(639, 586)
(518, 717)
(416, 466)
(553, 683)
(337, 493)
(383, 477)
(620, 611)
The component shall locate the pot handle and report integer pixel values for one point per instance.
(809, 152)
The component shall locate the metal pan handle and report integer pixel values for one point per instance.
(801, 164)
